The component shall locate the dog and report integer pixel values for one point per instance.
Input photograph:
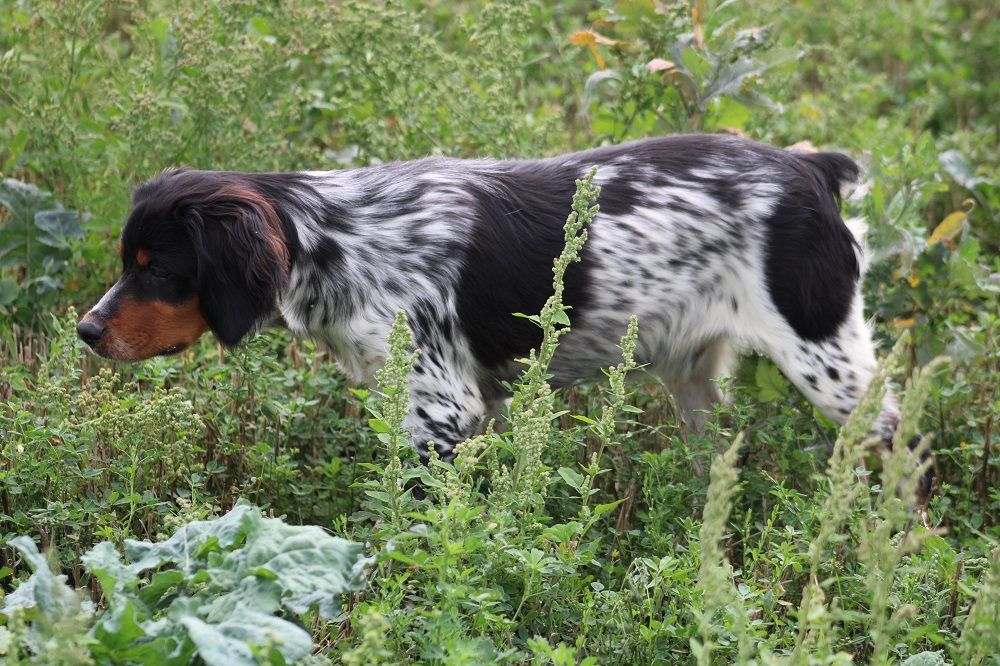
(717, 243)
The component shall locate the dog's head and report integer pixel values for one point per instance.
(200, 251)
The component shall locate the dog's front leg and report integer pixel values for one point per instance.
(446, 406)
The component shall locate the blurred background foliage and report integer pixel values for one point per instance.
(97, 96)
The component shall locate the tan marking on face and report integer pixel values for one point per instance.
(121, 249)
(142, 258)
(142, 329)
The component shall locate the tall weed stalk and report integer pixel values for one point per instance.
(518, 489)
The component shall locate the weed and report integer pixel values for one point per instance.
(583, 526)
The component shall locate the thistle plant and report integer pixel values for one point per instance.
(815, 627)
(370, 649)
(980, 639)
(715, 573)
(385, 492)
(605, 428)
(519, 488)
(882, 549)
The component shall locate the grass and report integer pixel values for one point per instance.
(591, 530)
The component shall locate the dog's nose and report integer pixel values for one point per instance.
(90, 330)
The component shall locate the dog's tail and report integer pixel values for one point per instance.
(838, 172)
(841, 177)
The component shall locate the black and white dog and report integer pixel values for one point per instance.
(717, 243)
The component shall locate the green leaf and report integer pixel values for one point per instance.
(58, 227)
(261, 572)
(926, 659)
(312, 567)
(8, 291)
(730, 78)
(43, 590)
(228, 643)
(378, 425)
(770, 381)
(571, 477)
(183, 546)
(35, 238)
(159, 584)
(260, 25)
(119, 628)
(13, 150)
(602, 509)
(562, 532)
(105, 562)
(160, 28)
(695, 63)
(956, 166)
(728, 113)
(244, 569)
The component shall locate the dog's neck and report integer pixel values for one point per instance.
(369, 242)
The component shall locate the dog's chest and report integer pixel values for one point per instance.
(355, 332)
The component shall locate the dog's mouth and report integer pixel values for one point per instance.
(116, 351)
(173, 349)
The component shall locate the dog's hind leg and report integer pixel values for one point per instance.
(694, 387)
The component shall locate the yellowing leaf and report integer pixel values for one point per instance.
(904, 273)
(697, 14)
(590, 37)
(597, 56)
(900, 323)
(811, 112)
(950, 228)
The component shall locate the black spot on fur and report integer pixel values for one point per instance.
(926, 481)
(327, 254)
(811, 266)
(517, 233)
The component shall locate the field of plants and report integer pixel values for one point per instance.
(250, 507)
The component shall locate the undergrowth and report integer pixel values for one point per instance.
(583, 526)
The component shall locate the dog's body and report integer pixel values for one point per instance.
(714, 242)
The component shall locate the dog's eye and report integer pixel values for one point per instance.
(158, 272)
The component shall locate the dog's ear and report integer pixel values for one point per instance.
(243, 259)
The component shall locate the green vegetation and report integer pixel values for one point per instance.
(229, 576)
(591, 530)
